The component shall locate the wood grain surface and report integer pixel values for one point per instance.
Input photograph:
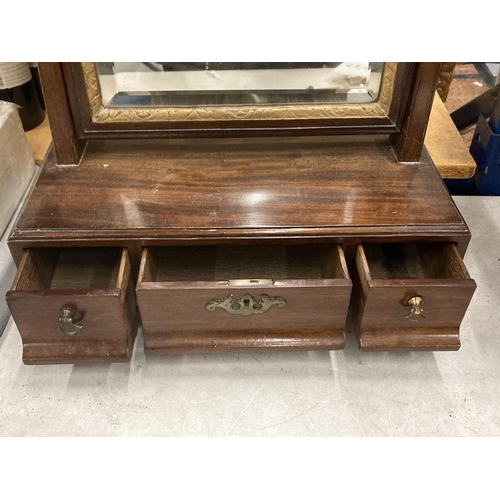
(203, 192)
(446, 146)
(106, 314)
(240, 340)
(203, 189)
(411, 339)
(379, 307)
(175, 316)
(409, 143)
(68, 144)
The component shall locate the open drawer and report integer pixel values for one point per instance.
(410, 296)
(243, 296)
(74, 304)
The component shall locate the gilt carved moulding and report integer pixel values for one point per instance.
(157, 92)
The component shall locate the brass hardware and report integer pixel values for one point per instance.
(251, 282)
(66, 325)
(416, 313)
(246, 305)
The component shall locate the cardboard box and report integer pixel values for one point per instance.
(17, 169)
(16, 163)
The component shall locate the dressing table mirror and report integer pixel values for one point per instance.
(237, 206)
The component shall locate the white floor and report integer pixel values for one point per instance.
(342, 393)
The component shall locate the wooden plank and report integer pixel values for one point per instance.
(39, 140)
(191, 189)
(36, 269)
(446, 146)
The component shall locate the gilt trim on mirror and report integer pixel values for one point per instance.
(101, 114)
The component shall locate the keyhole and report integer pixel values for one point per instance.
(246, 303)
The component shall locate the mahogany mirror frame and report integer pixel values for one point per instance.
(72, 125)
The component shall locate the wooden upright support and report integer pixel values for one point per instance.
(409, 143)
(68, 146)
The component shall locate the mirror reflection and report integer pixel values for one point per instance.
(193, 84)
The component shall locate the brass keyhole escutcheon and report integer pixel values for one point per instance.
(246, 305)
(66, 325)
(417, 312)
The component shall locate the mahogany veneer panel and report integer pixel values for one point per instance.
(387, 276)
(175, 285)
(191, 189)
(95, 282)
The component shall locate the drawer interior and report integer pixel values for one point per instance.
(403, 261)
(222, 263)
(60, 268)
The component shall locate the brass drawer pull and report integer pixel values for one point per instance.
(246, 305)
(66, 325)
(416, 313)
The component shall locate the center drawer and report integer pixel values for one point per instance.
(199, 298)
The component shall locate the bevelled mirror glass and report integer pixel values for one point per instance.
(162, 91)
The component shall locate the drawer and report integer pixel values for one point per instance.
(243, 297)
(410, 296)
(74, 304)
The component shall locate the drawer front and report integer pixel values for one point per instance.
(68, 325)
(301, 317)
(406, 313)
(406, 305)
(196, 315)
